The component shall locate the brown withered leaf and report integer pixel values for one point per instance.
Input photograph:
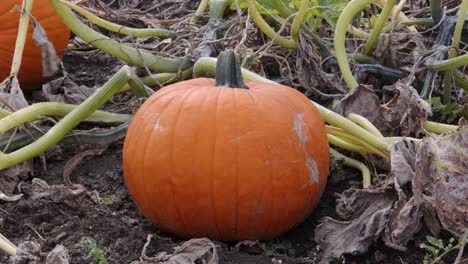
(405, 219)
(403, 115)
(50, 59)
(9, 177)
(310, 73)
(197, 250)
(442, 177)
(59, 255)
(366, 213)
(10, 91)
(399, 49)
(64, 90)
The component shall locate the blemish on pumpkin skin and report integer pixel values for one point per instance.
(235, 138)
(310, 162)
(157, 124)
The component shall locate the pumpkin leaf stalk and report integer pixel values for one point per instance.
(7, 246)
(22, 35)
(228, 71)
(80, 113)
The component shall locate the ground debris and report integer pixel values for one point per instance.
(197, 250)
(426, 185)
(403, 115)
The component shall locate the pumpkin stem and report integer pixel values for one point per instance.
(228, 71)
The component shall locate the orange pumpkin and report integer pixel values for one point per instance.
(30, 75)
(226, 160)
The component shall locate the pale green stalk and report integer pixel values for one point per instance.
(126, 53)
(366, 176)
(379, 25)
(55, 109)
(65, 125)
(134, 32)
(21, 36)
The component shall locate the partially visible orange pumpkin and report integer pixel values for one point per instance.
(30, 75)
(226, 161)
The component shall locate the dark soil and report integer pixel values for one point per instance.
(121, 231)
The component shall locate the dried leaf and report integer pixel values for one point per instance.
(442, 177)
(310, 73)
(403, 115)
(57, 193)
(11, 92)
(366, 213)
(403, 158)
(28, 252)
(59, 255)
(64, 90)
(198, 250)
(50, 59)
(9, 177)
(405, 219)
(399, 49)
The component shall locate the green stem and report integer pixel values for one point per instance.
(21, 36)
(436, 10)
(419, 21)
(228, 71)
(344, 20)
(3, 113)
(438, 127)
(339, 142)
(7, 246)
(267, 30)
(71, 120)
(159, 79)
(366, 176)
(217, 8)
(126, 53)
(282, 9)
(339, 132)
(379, 25)
(97, 137)
(449, 64)
(133, 32)
(297, 22)
(460, 81)
(207, 67)
(138, 87)
(200, 10)
(364, 123)
(448, 75)
(54, 109)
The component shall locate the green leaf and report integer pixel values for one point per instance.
(435, 242)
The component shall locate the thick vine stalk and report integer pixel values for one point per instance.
(55, 109)
(344, 20)
(23, 27)
(267, 30)
(71, 120)
(379, 25)
(133, 32)
(7, 246)
(366, 176)
(126, 53)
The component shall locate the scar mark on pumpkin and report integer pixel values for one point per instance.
(237, 137)
(310, 162)
(157, 124)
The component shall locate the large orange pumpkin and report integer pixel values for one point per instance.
(30, 75)
(226, 161)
